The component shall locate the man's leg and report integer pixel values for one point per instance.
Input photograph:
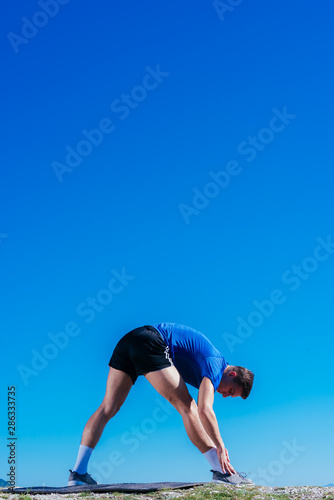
(169, 383)
(118, 386)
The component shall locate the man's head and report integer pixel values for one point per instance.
(236, 381)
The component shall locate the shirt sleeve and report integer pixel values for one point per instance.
(213, 368)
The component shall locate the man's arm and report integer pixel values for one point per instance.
(208, 418)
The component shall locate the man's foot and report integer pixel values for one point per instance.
(237, 478)
(77, 479)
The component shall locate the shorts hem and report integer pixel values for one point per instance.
(156, 369)
(133, 378)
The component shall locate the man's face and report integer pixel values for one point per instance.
(228, 387)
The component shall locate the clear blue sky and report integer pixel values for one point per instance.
(207, 187)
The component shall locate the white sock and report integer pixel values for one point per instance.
(82, 459)
(212, 458)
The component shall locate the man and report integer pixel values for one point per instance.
(169, 356)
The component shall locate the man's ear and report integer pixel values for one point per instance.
(232, 374)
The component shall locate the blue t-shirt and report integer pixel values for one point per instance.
(193, 354)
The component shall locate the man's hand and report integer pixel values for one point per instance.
(209, 421)
(224, 460)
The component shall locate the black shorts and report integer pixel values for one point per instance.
(141, 351)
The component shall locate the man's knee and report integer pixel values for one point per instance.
(185, 406)
(108, 410)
